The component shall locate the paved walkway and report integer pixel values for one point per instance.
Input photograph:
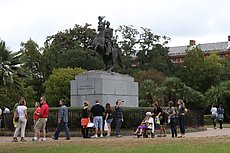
(209, 132)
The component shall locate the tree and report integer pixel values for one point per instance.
(148, 91)
(175, 89)
(192, 70)
(212, 71)
(156, 76)
(10, 75)
(126, 37)
(32, 59)
(69, 48)
(58, 85)
(152, 53)
(143, 49)
(219, 94)
(225, 70)
(200, 72)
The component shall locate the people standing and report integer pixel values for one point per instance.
(159, 114)
(41, 123)
(220, 112)
(119, 118)
(85, 119)
(108, 118)
(98, 111)
(181, 116)
(62, 121)
(214, 115)
(20, 117)
(172, 118)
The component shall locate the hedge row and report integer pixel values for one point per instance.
(132, 118)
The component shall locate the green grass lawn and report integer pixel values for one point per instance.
(123, 145)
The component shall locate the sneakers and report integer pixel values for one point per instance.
(14, 140)
(43, 139)
(34, 139)
(101, 136)
(119, 135)
(67, 138)
(23, 140)
(94, 136)
(54, 138)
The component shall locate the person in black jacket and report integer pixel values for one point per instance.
(98, 111)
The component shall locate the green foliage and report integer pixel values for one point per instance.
(32, 59)
(58, 84)
(175, 89)
(198, 72)
(11, 74)
(148, 92)
(152, 53)
(69, 48)
(192, 70)
(147, 47)
(154, 75)
(225, 70)
(30, 96)
(219, 94)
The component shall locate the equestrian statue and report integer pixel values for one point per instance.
(103, 45)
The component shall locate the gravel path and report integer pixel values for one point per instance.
(208, 133)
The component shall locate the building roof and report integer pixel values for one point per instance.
(178, 50)
(219, 46)
(207, 47)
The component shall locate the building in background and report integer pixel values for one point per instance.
(177, 54)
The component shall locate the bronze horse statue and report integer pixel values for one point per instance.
(109, 58)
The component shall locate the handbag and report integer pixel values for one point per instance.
(106, 126)
(90, 125)
(16, 116)
(157, 120)
(169, 120)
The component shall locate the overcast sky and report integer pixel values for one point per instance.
(205, 21)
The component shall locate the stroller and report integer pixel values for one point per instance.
(147, 127)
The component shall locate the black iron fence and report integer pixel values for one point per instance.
(132, 118)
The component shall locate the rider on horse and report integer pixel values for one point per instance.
(103, 45)
(108, 38)
(105, 35)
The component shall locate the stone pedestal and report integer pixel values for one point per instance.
(107, 87)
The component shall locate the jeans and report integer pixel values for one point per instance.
(98, 122)
(60, 127)
(173, 127)
(118, 126)
(182, 124)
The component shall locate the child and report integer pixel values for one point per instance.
(36, 113)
